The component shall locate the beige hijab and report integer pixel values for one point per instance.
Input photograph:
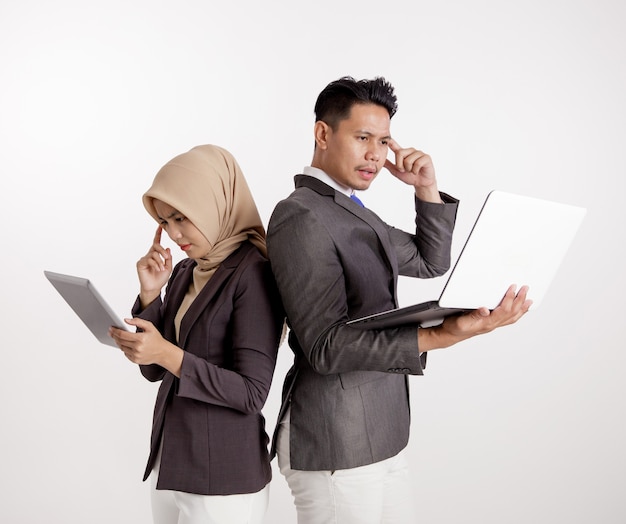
(207, 186)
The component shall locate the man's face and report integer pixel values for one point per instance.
(356, 150)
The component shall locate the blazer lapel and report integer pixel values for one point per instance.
(175, 294)
(363, 213)
(209, 291)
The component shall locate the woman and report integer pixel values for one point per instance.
(212, 341)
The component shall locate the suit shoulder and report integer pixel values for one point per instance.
(250, 256)
(303, 200)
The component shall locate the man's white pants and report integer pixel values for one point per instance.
(378, 493)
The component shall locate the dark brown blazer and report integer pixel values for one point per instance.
(209, 420)
(334, 261)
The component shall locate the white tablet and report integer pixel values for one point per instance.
(88, 304)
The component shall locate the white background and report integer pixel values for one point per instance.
(522, 425)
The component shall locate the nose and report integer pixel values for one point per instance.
(174, 232)
(375, 152)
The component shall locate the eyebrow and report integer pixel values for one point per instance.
(369, 133)
(170, 215)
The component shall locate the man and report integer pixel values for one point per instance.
(344, 421)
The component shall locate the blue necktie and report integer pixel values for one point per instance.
(356, 199)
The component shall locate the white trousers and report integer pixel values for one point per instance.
(378, 493)
(177, 507)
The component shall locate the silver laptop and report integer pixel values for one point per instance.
(88, 304)
(515, 240)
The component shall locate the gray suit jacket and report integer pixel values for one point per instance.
(334, 261)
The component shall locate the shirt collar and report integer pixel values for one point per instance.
(323, 177)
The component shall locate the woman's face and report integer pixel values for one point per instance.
(180, 229)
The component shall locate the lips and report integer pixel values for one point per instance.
(367, 173)
(185, 247)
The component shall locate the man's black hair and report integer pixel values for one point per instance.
(336, 100)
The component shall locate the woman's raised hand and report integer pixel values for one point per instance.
(154, 270)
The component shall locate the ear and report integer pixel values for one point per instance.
(322, 132)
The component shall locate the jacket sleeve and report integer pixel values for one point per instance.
(426, 253)
(152, 313)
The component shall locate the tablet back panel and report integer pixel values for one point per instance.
(87, 303)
